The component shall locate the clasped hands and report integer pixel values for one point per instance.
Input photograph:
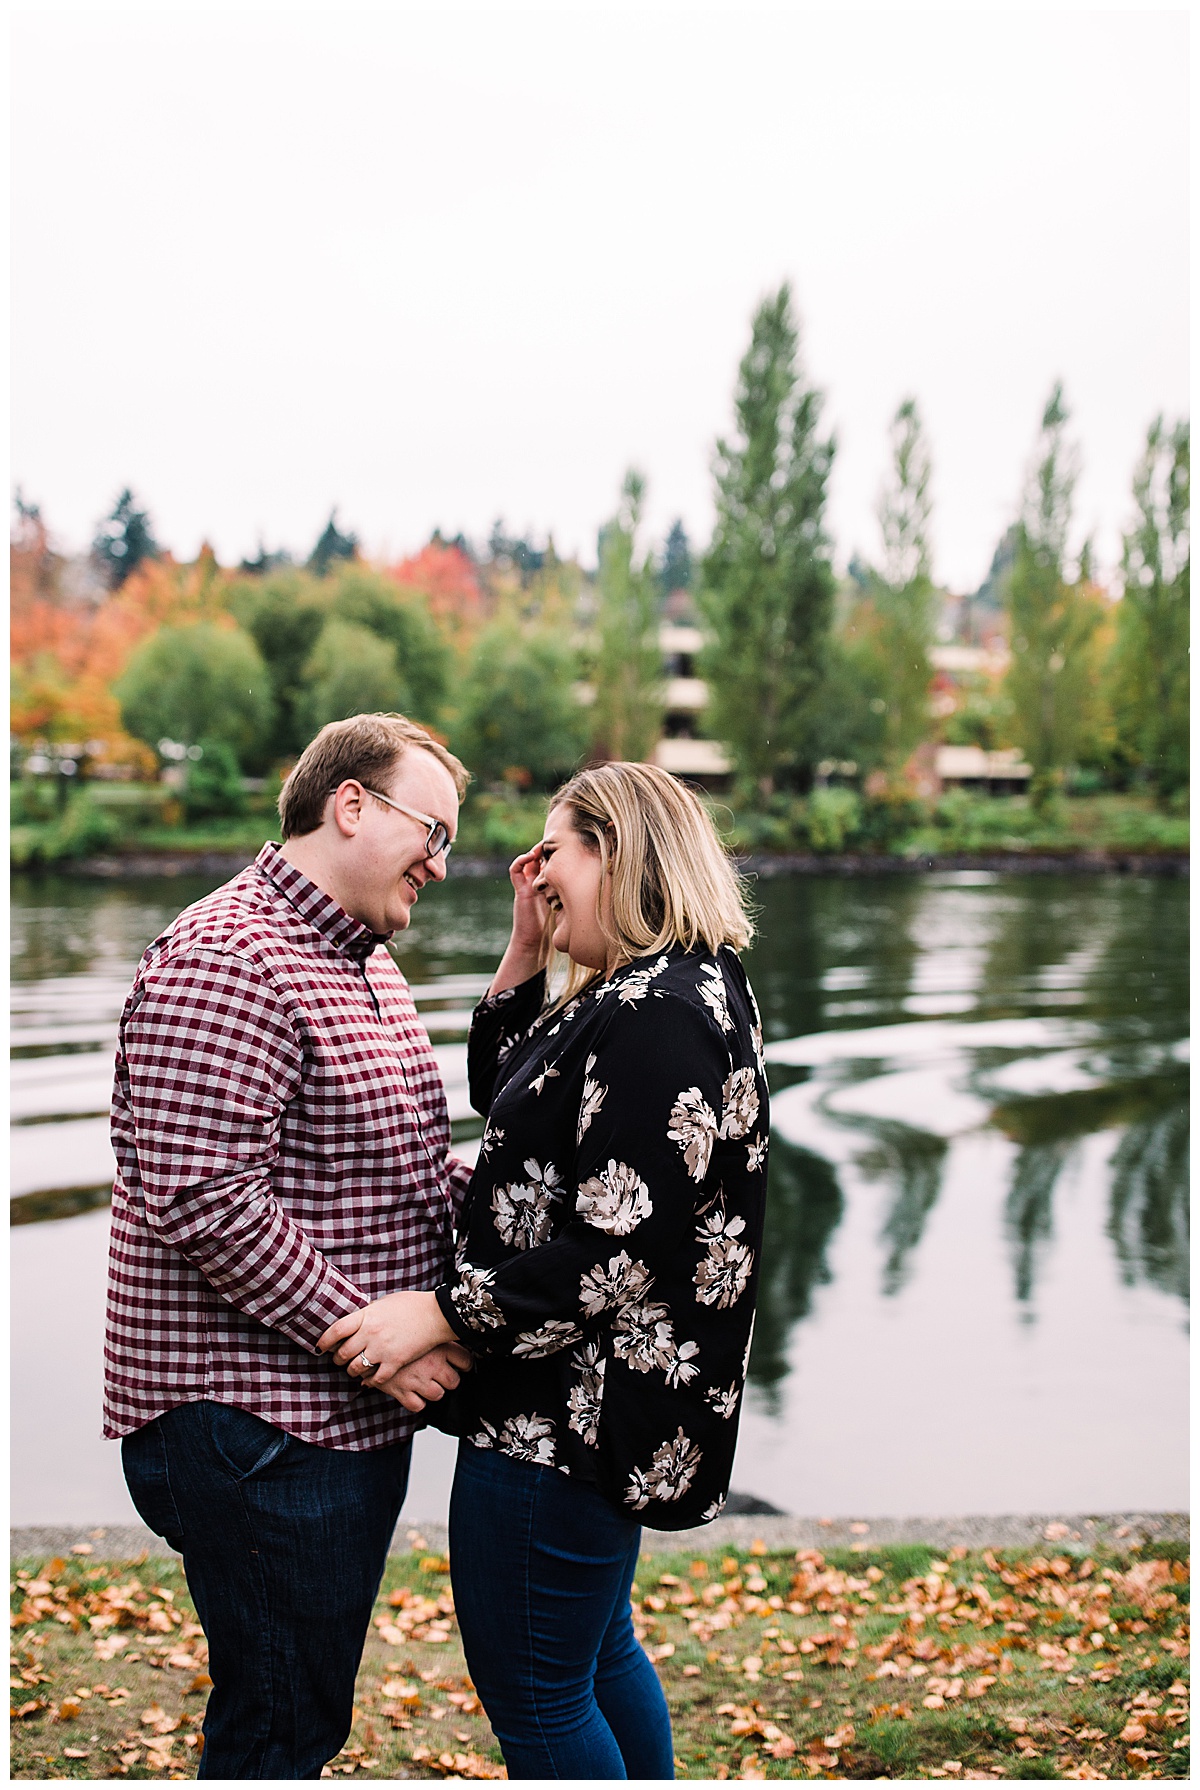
(414, 1355)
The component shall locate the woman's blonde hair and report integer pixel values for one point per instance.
(672, 881)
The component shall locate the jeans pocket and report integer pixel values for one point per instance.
(244, 1443)
(144, 1461)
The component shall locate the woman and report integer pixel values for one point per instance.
(607, 1267)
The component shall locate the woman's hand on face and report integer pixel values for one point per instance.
(525, 953)
(530, 910)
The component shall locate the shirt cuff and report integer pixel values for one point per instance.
(470, 1338)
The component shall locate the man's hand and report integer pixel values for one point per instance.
(390, 1332)
(425, 1381)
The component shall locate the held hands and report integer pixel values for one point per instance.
(411, 1352)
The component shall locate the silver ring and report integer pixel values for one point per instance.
(369, 1365)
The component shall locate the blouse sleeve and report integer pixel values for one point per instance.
(498, 1025)
(648, 1120)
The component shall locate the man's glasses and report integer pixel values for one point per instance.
(438, 841)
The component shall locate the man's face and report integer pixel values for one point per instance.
(388, 865)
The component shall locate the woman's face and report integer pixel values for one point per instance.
(570, 879)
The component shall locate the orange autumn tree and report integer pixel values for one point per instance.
(71, 639)
(447, 579)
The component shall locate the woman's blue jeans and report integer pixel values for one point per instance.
(542, 1566)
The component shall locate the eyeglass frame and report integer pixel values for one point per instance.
(435, 826)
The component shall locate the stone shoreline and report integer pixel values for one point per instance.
(761, 864)
(1064, 1534)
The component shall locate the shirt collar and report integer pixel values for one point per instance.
(321, 911)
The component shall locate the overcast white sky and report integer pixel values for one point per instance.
(440, 266)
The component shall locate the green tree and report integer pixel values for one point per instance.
(890, 630)
(284, 612)
(214, 783)
(402, 619)
(519, 720)
(123, 540)
(768, 584)
(332, 545)
(196, 684)
(351, 671)
(627, 713)
(1149, 677)
(1053, 621)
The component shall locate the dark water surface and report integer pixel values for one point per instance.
(975, 1284)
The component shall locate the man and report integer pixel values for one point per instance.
(282, 1143)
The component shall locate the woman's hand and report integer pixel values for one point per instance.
(526, 951)
(390, 1332)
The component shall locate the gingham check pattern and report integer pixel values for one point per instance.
(282, 1139)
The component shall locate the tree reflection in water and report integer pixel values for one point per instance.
(1148, 1191)
(804, 1208)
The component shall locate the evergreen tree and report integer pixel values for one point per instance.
(676, 570)
(332, 545)
(1053, 622)
(627, 714)
(1149, 669)
(768, 584)
(124, 540)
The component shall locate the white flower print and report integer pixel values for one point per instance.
(724, 1269)
(592, 1100)
(681, 1370)
(616, 1200)
(756, 1154)
(668, 1477)
(552, 1336)
(486, 1437)
(693, 1127)
(492, 1134)
(636, 985)
(644, 1336)
(739, 1103)
(723, 1399)
(539, 1081)
(528, 1439)
(712, 1510)
(472, 1301)
(712, 993)
(523, 1210)
(760, 1054)
(617, 1284)
(584, 1398)
(507, 1045)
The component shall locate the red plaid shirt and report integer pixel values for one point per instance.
(282, 1138)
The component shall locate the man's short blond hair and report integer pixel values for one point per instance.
(365, 747)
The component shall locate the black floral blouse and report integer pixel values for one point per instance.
(610, 1242)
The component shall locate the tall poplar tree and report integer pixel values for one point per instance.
(1149, 669)
(627, 713)
(890, 631)
(768, 584)
(1053, 621)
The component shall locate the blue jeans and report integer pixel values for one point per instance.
(542, 1566)
(284, 1545)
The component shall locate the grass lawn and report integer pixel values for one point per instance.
(889, 1663)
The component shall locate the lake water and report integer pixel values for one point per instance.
(975, 1287)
